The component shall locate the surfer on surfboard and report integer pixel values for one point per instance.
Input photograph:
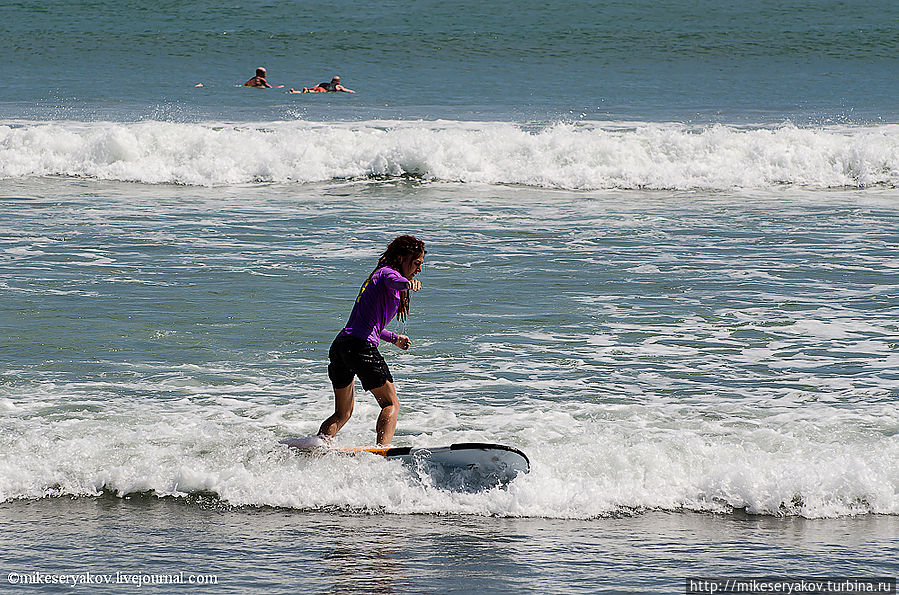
(333, 87)
(384, 295)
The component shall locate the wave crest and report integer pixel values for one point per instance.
(583, 156)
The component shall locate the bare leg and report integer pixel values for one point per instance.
(390, 411)
(344, 398)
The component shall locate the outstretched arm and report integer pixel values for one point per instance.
(396, 281)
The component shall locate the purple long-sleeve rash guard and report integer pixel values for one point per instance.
(376, 305)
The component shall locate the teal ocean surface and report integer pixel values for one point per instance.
(727, 61)
(662, 261)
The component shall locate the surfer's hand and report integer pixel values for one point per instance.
(414, 284)
(403, 342)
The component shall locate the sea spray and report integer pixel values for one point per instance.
(583, 156)
(610, 460)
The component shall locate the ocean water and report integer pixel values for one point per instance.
(662, 261)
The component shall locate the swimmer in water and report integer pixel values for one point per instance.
(259, 80)
(333, 87)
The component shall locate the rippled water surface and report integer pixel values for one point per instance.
(708, 352)
(278, 551)
(662, 261)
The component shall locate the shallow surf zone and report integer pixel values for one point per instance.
(588, 460)
(581, 156)
(718, 352)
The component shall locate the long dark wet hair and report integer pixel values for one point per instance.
(401, 248)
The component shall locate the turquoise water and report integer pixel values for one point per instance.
(662, 261)
(279, 551)
(760, 61)
(707, 352)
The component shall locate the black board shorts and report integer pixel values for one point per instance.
(352, 356)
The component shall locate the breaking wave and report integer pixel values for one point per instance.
(582, 156)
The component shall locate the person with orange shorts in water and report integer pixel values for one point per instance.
(333, 87)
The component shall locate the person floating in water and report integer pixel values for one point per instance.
(384, 295)
(333, 87)
(259, 80)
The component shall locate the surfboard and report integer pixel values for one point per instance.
(468, 464)
(487, 458)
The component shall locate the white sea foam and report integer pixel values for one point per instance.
(723, 354)
(568, 156)
(587, 460)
